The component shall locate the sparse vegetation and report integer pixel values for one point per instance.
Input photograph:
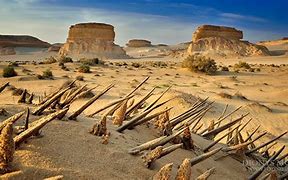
(80, 78)
(65, 59)
(15, 64)
(242, 65)
(47, 74)
(91, 62)
(200, 64)
(84, 68)
(9, 71)
(50, 60)
(224, 68)
(225, 95)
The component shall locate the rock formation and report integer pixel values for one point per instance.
(22, 41)
(223, 41)
(55, 47)
(7, 51)
(92, 39)
(139, 43)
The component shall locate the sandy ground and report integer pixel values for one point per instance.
(68, 149)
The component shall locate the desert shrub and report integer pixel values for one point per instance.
(47, 74)
(65, 59)
(200, 64)
(15, 64)
(159, 64)
(9, 71)
(136, 65)
(224, 68)
(84, 68)
(50, 60)
(91, 62)
(242, 64)
(80, 78)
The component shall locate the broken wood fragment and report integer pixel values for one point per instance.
(12, 119)
(4, 86)
(164, 173)
(119, 114)
(184, 171)
(204, 156)
(30, 99)
(170, 149)
(187, 139)
(206, 174)
(157, 99)
(23, 97)
(151, 156)
(99, 128)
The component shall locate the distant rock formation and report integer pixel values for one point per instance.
(223, 41)
(22, 41)
(139, 43)
(92, 40)
(7, 51)
(276, 47)
(55, 47)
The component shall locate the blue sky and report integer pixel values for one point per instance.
(161, 21)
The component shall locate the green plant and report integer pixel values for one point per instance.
(50, 60)
(65, 59)
(84, 68)
(200, 64)
(80, 78)
(91, 62)
(15, 64)
(9, 71)
(224, 68)
(242, 64)
(47, 74)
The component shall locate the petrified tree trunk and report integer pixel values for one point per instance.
(12, 119)
(184, 171)
(119, 114)
(88, 103)
(4, 86)
(37, 126)
(7, 148)
(164, 173)
(151, 156)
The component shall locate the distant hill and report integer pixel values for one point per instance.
(22, 41)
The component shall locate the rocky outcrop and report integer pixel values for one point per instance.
(7, 51)
(92, 39)
(139, 43)
(22, 41)
(223, 41)
(207, 31)
(55, 47)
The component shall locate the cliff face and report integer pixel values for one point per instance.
(138, 43)
(22, 41)
(92, 39)
(7, 51)
(223, 41)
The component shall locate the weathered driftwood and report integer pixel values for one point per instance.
(157, 99)
(119, 114)
(4, 86)
(170, 149)
(47, 103)
(238, 132)
(265, 144)
(83, 93)
(27, 119)
(250, 135)
(222, 119)
(184, 171)
(110, 105)
(206, 174)
(148, 118)
(37, 126)
(262, 168)
(151, 156)
(282, 157)
(204, 156)
(214, 132)
(222, 114)
(189, 112)
(70, 98)
(186, 139)
(89, 102)
(56, 92)
(263, 150)
(12, 119)
(139, 103)
(245, 144)
(164, 173)
(139, 117)
(99, 128)
(7, 148)
(154, 143)
(218, 140)
(200, 116)
(30, 99)
(22, 98)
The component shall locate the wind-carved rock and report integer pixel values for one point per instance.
(92, 40)
(138, 43)
(223, 41)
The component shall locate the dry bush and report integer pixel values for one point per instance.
(47, 74)
(84, 68)
(50, 60)
(65, 59)
(242, 65)
(80, 78)
(200, 64)
(225, 95)
(9, 71)
(91, 62)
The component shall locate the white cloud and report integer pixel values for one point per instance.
(233, 16)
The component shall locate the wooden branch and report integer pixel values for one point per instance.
(262, 168)
(89, 102)
(206, 174)
(184, 171)
(70, 98)
(23, 97)
(38, 125)
(156, 100)
(7, 148)
(11, 119)
(4, 86)
(164, 173)
(30, 99)
(204, 156)
(119, 114)
(27, 119)
(151, 156)
(249, 137)
(170, 149)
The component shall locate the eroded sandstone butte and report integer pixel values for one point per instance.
(221, 41)
(92, 40)
(138, 43)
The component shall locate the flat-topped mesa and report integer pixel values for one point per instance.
(138, 43)
(92, 39)
(221, 41)
(206, 31)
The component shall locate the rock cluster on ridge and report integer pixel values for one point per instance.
(92, 39)
(139, 43)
